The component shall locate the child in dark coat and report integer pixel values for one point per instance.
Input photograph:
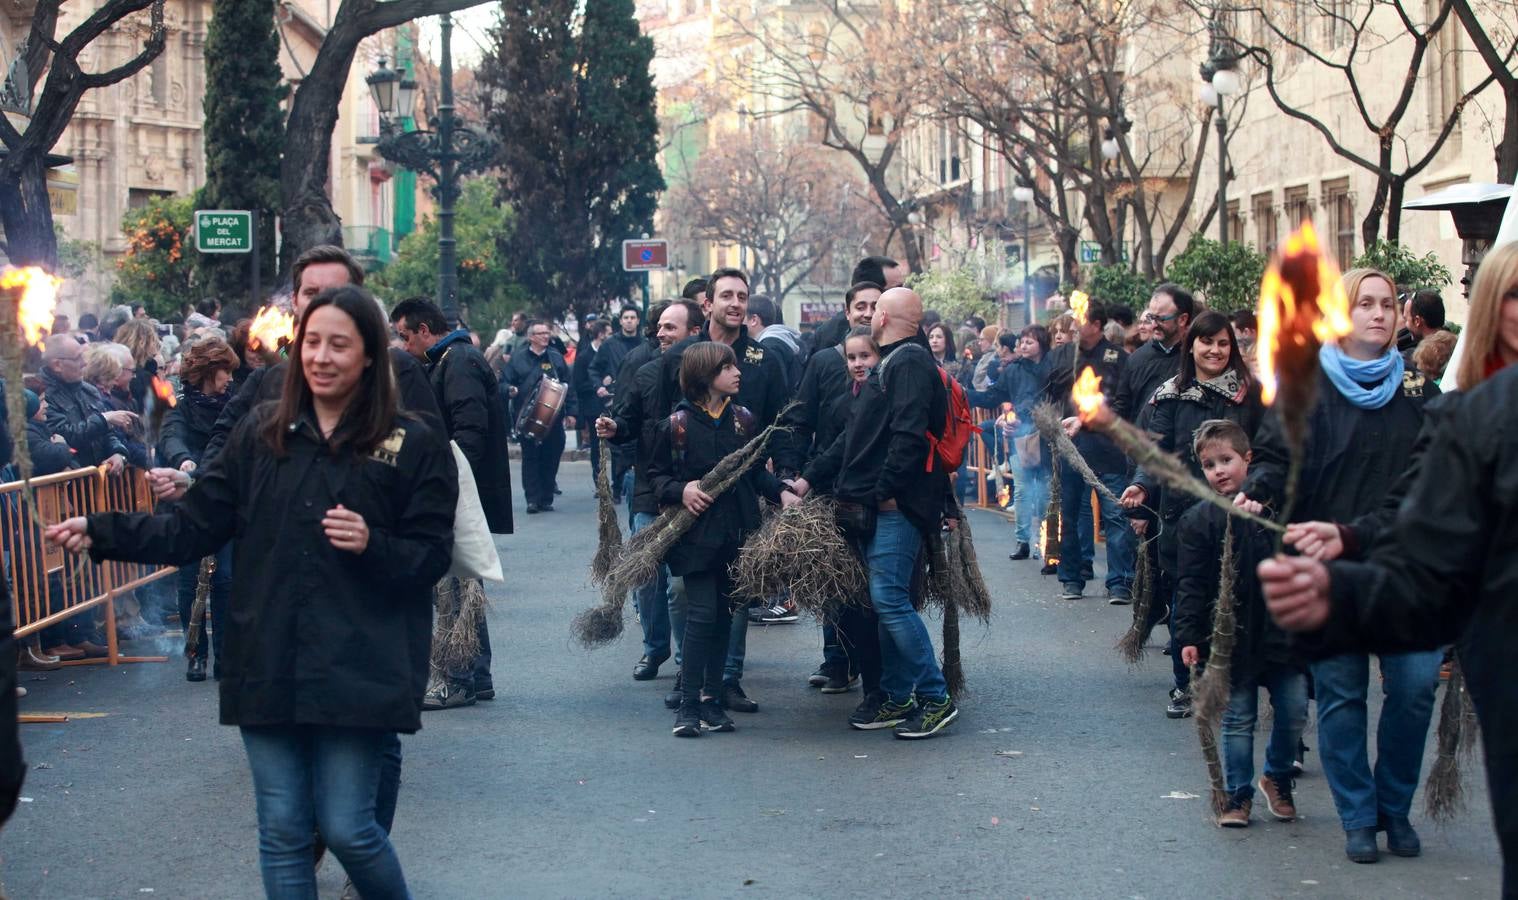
(1262, 656)
(705, 427)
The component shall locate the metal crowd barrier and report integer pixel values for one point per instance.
(49, 585)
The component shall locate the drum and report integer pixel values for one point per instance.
(541, 411)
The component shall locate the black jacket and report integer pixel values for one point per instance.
(1149, 366)
(1446, 571)
(467, 395)
(76, 411)
(527, 369)
(633, 411)
(1108, 361)
(48, 456)
(713, 540)
(579, 376)
(268, 382)
(1352, 456)
(1258, 643)
(884, 452)
(608, 362)
(315, 635)
(187, 428)
(831, 332)
(761, 389)
(823, 381)
(1177, 413)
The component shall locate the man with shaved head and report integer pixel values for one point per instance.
(893, 498)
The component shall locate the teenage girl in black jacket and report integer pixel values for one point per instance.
(705, 427)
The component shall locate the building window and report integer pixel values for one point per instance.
(1340, 204)
(1265, 236)
(877, 115)
(1235, 222)
(1298, 207)
(137, 198)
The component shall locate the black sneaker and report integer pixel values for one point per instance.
(822, 676)
(840, 684)
(532, 509)
(688, 721)
(676, 694)
(878, 711)
(734, 699)
(484, 690)
(779, 614)
(447, 695)
(714, 717)
(1179, 706)
(1070, 591)
(1118, 598)
(928, 719)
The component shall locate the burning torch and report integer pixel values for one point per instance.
(25, 312)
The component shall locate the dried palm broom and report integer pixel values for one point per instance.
(1444, 792)
(1047, 418)
(608, 530)
(460, 605)
(1207, 734)
(196, 626)
(1131, 645)
(1209, 693)
(640, 558)
(800, 552)
(974, 598)
(953, 667)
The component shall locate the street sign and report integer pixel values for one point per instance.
(223, 231)
(1091, 252)
(643, 256)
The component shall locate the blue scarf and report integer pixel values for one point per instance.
(1350, 376)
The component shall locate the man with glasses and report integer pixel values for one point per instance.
(77, 411)
(540, 458)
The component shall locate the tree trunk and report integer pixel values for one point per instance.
(1395, 193)
(1370, 226)
(1069, 252)
(307, 218)
(28, 219)
(1507, 151)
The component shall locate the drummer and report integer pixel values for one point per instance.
(540, 457)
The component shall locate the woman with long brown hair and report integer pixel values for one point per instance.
(342, 512)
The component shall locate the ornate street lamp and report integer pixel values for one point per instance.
(447, 153)
(1220, 79)
(1023, 193)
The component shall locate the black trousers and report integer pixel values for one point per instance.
(708, 619)
(540, 466)
(859, 630)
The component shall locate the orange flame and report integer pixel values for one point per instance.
(1287, 321)
(164, 391)
(39, 293)
(269, 328)
(1080, 305)
(1003, 496)
(1010, 416)
(1087, 394)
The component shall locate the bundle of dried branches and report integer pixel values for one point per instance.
(973, 598)
(1047, 418)
(196, 626)
(1208, 735)
(460, 605)
(1209, 694)
(953, 667)
(1131, 645)
(800, 552)
(609, 531)
(641, 556)
(1444, 792)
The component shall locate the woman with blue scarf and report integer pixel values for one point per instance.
(1360, 435)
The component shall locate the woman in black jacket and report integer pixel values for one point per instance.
(205, 379)
(1214, 383)
(705, 427)
(342, 512)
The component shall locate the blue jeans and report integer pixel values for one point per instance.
(1288, 700)
(1078, 544)
(651, 599)
(1342, 685)
(389, 781)
(834, 656)
(310, 777)
(1030, 499)
(908, 663)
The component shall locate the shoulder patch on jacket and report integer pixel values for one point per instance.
(1412, 383)
(743, 421)
(1109, 356)
(389, 450)
(753, 353)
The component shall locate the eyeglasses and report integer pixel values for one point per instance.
(1153, 319)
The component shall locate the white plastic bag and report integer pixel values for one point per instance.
(474, 553)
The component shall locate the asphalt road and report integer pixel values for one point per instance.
(1062, 777)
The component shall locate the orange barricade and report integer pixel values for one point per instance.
(49, 585)
(981, 461)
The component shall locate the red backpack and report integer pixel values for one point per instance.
(947, 448)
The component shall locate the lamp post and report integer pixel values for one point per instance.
(1023, 193)
(447, 153)
(1219, 79)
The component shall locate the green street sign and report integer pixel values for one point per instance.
(223, 231)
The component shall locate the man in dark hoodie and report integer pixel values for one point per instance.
(766, 325)
(883, 466)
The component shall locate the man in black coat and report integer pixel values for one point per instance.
(825, 376)
(1159, 359)
(629, 423)
(604, 375)
(540, 458)
(467, 395)
(593, 334)
(76, 410)
(1077, 542)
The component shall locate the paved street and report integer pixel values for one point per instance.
(1062, 778)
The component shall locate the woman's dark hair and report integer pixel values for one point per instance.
(699, 366)
(1207, 324)
(948, 338)
(205, 358)
(1039, 333)
(370, 416)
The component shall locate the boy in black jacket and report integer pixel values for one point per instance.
(1262, 656)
